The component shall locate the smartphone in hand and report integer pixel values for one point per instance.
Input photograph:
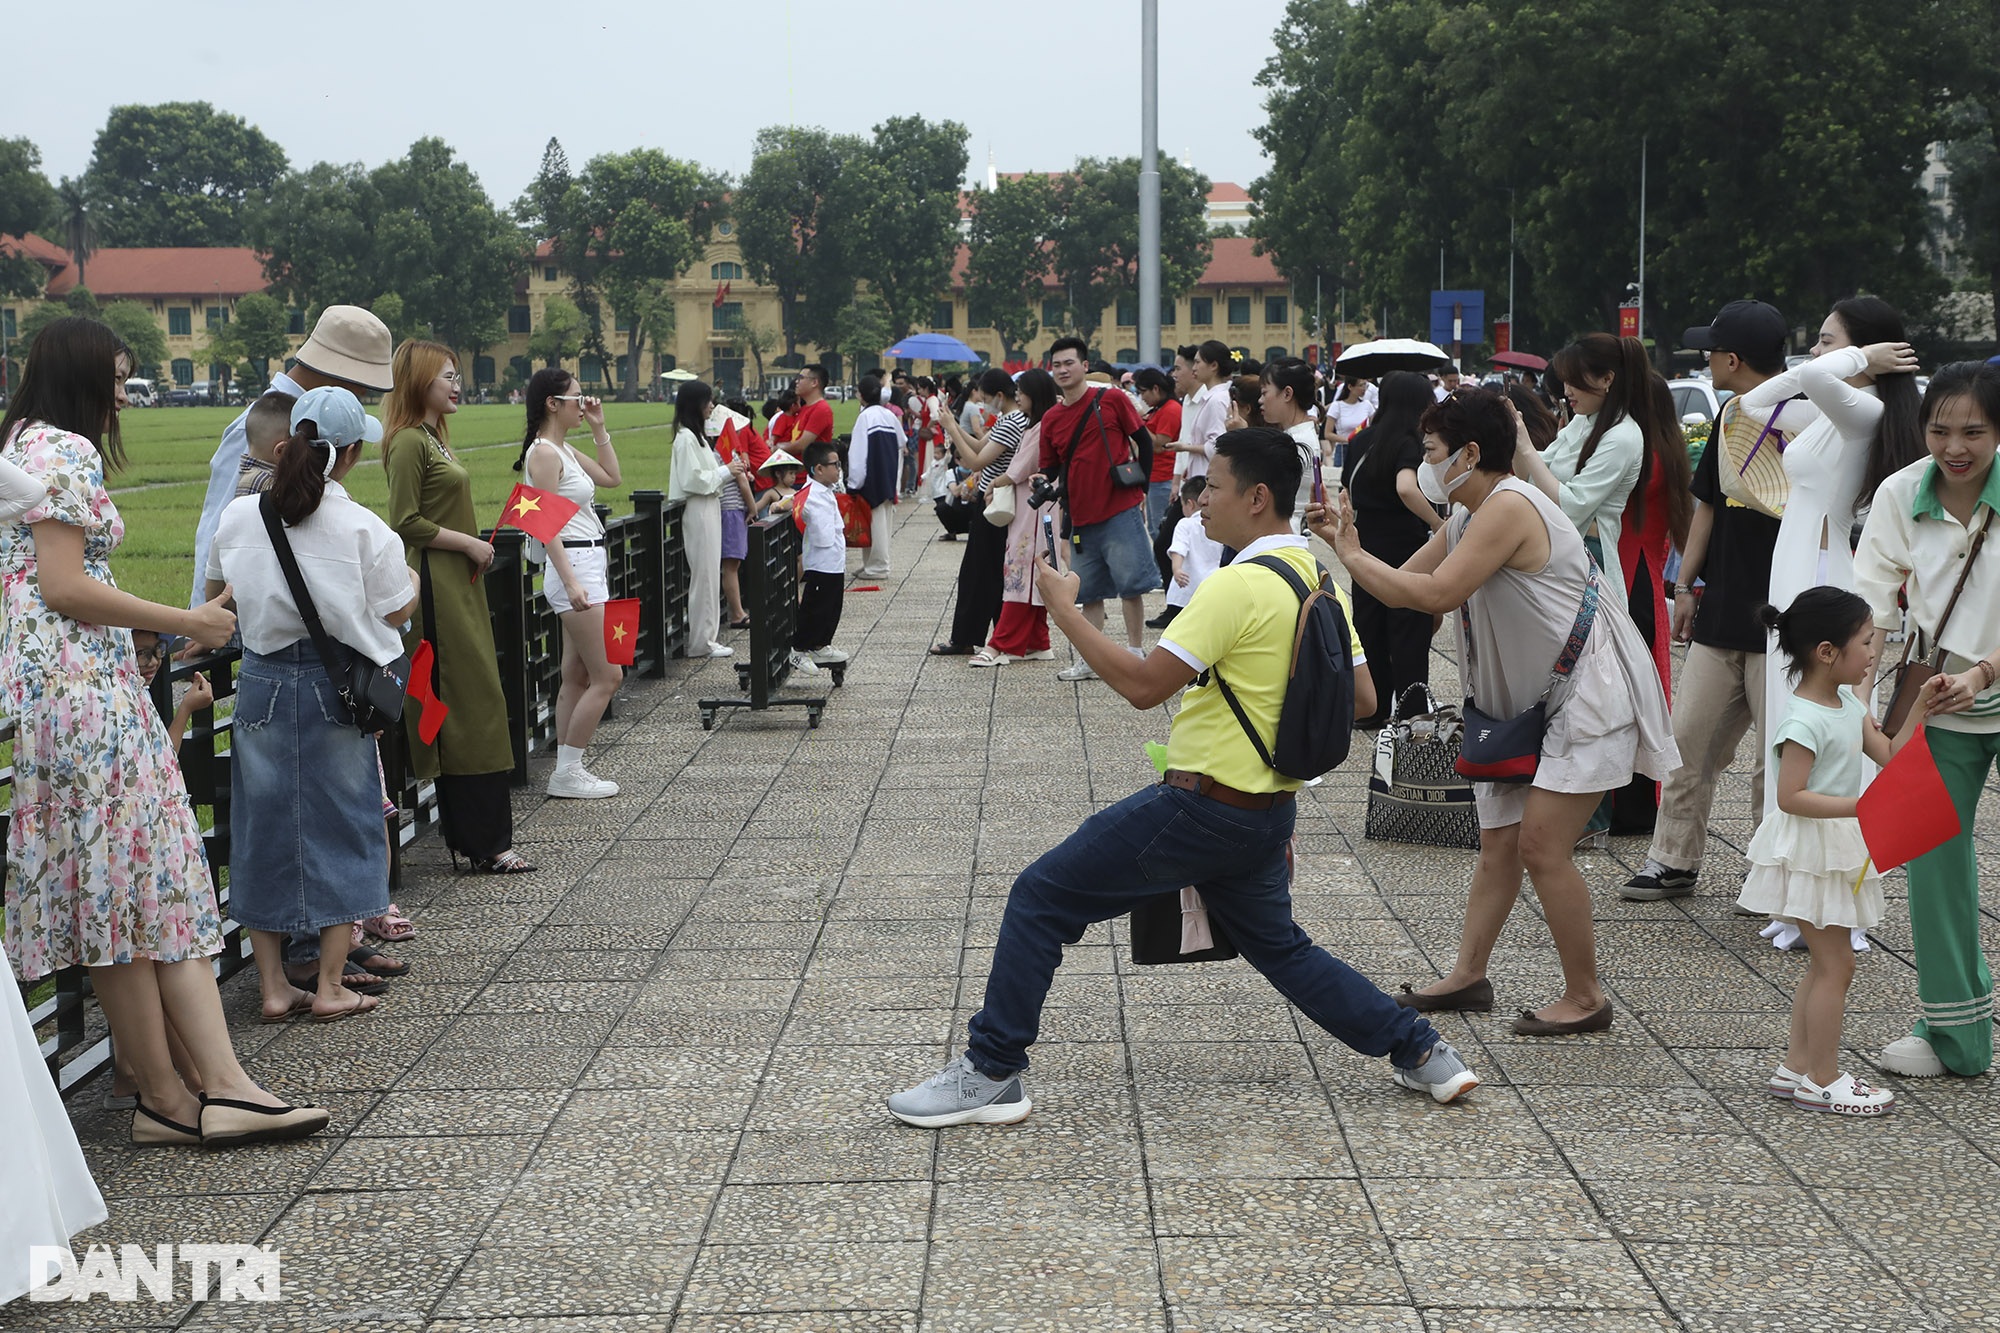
(1319, 481)
(1049, 537)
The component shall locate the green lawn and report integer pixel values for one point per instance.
(160, 491)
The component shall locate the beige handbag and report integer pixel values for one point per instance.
(1000, 503)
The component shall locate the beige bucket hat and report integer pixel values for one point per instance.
(348, 343)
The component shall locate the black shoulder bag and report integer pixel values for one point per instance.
(1137, 469)
(371, 695)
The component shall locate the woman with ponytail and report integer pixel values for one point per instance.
(305, 825)
(1621, 474)
(1857, 425)
(575, 579)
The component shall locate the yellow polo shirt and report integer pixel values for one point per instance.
(1242, 618)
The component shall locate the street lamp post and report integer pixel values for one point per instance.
(1149, 181)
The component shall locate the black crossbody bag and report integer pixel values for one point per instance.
(371, 695)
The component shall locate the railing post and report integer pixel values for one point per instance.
(651, 582)
(507, 592)
(674, 553)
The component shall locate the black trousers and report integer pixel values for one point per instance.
(476, 813)
(1396, 640)
(982, 576)
(819, 610)
(1162, 540)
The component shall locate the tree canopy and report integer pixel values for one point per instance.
(27, 203)
(179, 173)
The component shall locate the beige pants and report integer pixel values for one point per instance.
(1721, 696)
(701, 530)
(875, 560)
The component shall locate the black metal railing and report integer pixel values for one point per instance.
(771, 597)
(645, 558)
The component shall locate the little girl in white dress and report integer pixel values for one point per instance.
(1809, 864)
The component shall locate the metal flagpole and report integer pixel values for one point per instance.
(1149, 181)
(1642, 238)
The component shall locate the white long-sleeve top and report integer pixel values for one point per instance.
(1204, 419)
(873, 417)
(1596, 494)
(695, 469)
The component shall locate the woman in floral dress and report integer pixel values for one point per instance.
(104, 857)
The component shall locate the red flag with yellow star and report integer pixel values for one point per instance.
(725, 445)
(621, 630)
(540, 514)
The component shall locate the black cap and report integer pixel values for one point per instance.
(1748, 328)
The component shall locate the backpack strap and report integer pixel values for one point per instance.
(1284, 569)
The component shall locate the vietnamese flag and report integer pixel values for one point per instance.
(725, 444)
(423, 689)
(1906, 811)
(540, 514)
(621, 630)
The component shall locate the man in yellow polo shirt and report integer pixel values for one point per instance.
(1221, 819)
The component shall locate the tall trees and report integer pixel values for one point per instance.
(1096, 251)
(1782, 156)
(76, 222)
(1008, 258)
(27, 203)
(786, 219)
(898, 208)
(138, 330)
(180, 173)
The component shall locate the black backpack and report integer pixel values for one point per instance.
(1316, 720)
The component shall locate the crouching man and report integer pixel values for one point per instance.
(1220, 820)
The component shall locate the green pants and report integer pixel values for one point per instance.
(1952, 980)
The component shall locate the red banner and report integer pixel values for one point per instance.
(1628, 321)
(1503, 335)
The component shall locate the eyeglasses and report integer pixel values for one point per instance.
(565, 397)
(156, 654)
(452, 377)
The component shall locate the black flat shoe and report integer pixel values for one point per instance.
(1473, 998)
(951, 650)
(1527, 1025)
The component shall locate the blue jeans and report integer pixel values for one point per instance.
(1159, 495)
(1158, 839)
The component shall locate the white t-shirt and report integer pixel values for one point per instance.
(826, 536)
(1201, 555)
(352, 562)
(1350, 417)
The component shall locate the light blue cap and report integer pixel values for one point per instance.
(337, 414)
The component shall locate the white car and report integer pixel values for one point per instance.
(1696, 400)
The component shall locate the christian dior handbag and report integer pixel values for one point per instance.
(1415, 793)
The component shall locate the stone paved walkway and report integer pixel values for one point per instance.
(642, 1089)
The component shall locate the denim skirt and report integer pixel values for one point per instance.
(307, 847)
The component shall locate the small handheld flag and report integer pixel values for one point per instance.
(423, 666)
(621, 630)
(540, 514)
(725, 444)
(1907, 810)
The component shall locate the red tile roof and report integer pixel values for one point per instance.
(1234, 265)
(62, 275)
(218, 271)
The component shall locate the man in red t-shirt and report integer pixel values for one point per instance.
(811, 422)
(1083, 436)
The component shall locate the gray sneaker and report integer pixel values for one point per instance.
(1443, 1075)
(960, 1095)
(1077, 670)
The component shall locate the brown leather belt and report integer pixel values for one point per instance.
(1201, 784)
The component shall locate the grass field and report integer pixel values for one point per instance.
(160, 491)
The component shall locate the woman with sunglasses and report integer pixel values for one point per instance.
(574, 579)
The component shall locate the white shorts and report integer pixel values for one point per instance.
(586, 563)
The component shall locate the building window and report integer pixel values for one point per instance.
(1277, 310)
(520, 319)
(216, 373)
(183, 371)
(295, 323)
(977, 316)
(217, 317)
(590, 370)
(623, 359)
(1239, 310)
(180, 321)
(7, 324)
(1168, 315)
(1275, 353)
(943, 317)
(482, 370)
(982, 356)
(549, 274)
(521, 368)
(669, 362)
(1053, 314)
(1941, 186)
(1127, 355)
(1128, 312)
(726, 272)
(1201, 311)
(728, 315)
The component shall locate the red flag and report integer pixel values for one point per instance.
(1907, 811)
(422, 667)
(721, 294)
(725, 446)
(540, 514)
(621, 630)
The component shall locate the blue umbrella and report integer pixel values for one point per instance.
(932, 347)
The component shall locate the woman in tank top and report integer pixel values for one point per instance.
(1512, 571)
(574, 575)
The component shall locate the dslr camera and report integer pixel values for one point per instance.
(1045, 490)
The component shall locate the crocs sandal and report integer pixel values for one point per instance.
(391, 927)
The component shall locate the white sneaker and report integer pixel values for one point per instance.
(1039, 655)
(803, 665)
(579, 784)
(1846, 1095)
(1912, 1057)
(828, 656)
(1858, 938)
(1077, 670)
(720, 649)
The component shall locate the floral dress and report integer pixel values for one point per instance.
(104, 857)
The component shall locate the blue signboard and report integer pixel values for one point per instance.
(1471, 317)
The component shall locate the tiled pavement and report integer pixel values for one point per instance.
(642, 1089)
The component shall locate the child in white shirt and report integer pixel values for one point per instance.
(1194, 553)
(823, 567)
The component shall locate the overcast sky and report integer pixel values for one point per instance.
(696, 80)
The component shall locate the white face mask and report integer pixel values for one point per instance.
(1430, 479)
